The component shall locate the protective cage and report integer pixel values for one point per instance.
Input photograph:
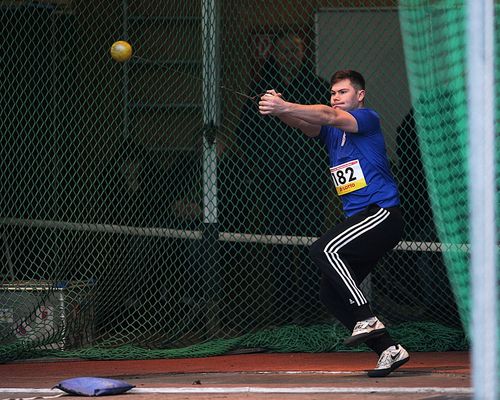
(184, 216)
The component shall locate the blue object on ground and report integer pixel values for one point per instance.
(91, 386)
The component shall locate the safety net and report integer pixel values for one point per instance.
(148, 210)
(436, 40)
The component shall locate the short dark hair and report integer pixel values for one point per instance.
(355, 77)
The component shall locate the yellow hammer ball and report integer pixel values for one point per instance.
(121, 51)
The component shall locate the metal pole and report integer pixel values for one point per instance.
(210, 108)
(481, 109)
(211, 120)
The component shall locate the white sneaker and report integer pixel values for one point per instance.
(392, 358)
(364, 330)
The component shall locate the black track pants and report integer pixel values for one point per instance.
(347, 253)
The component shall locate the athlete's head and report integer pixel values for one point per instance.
(347, 88)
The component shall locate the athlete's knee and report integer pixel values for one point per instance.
(320, 257)
(316, 251)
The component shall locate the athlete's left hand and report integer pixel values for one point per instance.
(271, 103)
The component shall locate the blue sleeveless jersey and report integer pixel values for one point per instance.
(366, 151)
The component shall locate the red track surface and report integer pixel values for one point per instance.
(443, 370)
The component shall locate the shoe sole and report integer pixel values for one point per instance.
(359, 339)
(380, 373)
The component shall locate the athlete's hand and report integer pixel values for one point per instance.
(271, 103)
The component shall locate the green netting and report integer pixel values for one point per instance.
(435, 39)
(147, 210)
(286, 339)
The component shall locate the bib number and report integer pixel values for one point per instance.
(348, 177)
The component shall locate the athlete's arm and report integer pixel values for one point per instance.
(311, 115)
(311, 130)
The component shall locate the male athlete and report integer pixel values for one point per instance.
(348, 252)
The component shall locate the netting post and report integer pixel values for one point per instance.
(481, 109)
(211, 121)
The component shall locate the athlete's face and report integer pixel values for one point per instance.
(345, 96)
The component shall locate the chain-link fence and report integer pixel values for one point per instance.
(147, 205)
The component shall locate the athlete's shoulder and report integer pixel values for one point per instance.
(364, 113)
(368, 120)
